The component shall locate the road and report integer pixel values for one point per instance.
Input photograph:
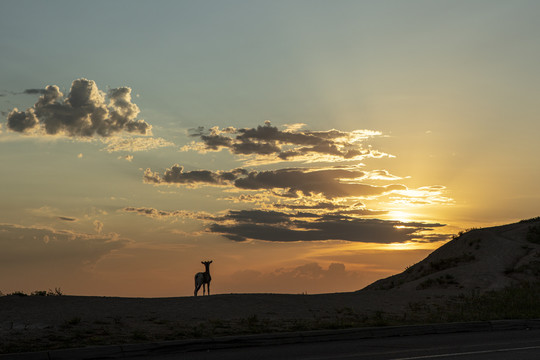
(492, 345)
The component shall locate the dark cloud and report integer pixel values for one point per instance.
(313, 206)
(332, 208)
(84, 112)
(65, 218)
(331, 183)
(290, 144)
(160, 214)
(151, 212)
(327, 182)
(177, 175)
(362, 212)
(283, 227)
(269, 225)
(20, 121)
(257, 216)
(317, 204)
(251, 147)
(34, 91)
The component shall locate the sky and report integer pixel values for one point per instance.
(303, 146)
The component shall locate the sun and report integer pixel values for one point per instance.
(400, 216)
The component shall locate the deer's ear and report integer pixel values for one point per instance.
(211, 261)
(202, 262)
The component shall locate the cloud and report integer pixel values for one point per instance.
(331, 208)
(425, 195)
(161, 214)
(44, 247)
(329, 182)
(126, 157)
(25, 92)
(299, 203)
(22, 121)
(34, 91)
(48, 214)
(177, 175)
(283, 227)
(324, 205)
(306, 278)
(98, 226)
(276, 226)
(268, 141)
(381, 175)
(133, 144)
(84, 112)
(247, 198)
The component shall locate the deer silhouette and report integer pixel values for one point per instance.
(203, 278)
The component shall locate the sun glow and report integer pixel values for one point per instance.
(400, 216)
(403, 246)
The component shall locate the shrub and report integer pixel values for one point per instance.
(443, 264)
(535, 219)
(39, 293)
(442, 281)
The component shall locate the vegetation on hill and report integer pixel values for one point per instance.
(55, 292)
(521, 301)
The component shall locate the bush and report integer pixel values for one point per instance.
(55, 292)
(442, 281)
(39, 293)
(514, 302)
(535, 219)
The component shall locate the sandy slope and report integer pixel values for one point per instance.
(482, 259)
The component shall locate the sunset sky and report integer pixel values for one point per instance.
(303, 146)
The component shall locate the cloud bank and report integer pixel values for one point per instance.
(276, 226)
(84, 112)
(268, 142)
(45, 247)
(336, 182)
(283, 227)
(306, 278)
(315, 203)
(177, 175)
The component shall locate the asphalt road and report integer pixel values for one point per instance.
(492, 345)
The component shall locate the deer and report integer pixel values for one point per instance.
(203, 278)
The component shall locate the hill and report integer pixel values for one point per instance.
(452, 284)
(478, 260)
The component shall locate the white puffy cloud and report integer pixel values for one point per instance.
(84, 112)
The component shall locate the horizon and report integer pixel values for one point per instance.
(304, 147)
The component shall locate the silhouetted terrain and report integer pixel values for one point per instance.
(483, 274)
(480, 259)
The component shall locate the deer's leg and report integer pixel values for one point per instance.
(208, 288)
